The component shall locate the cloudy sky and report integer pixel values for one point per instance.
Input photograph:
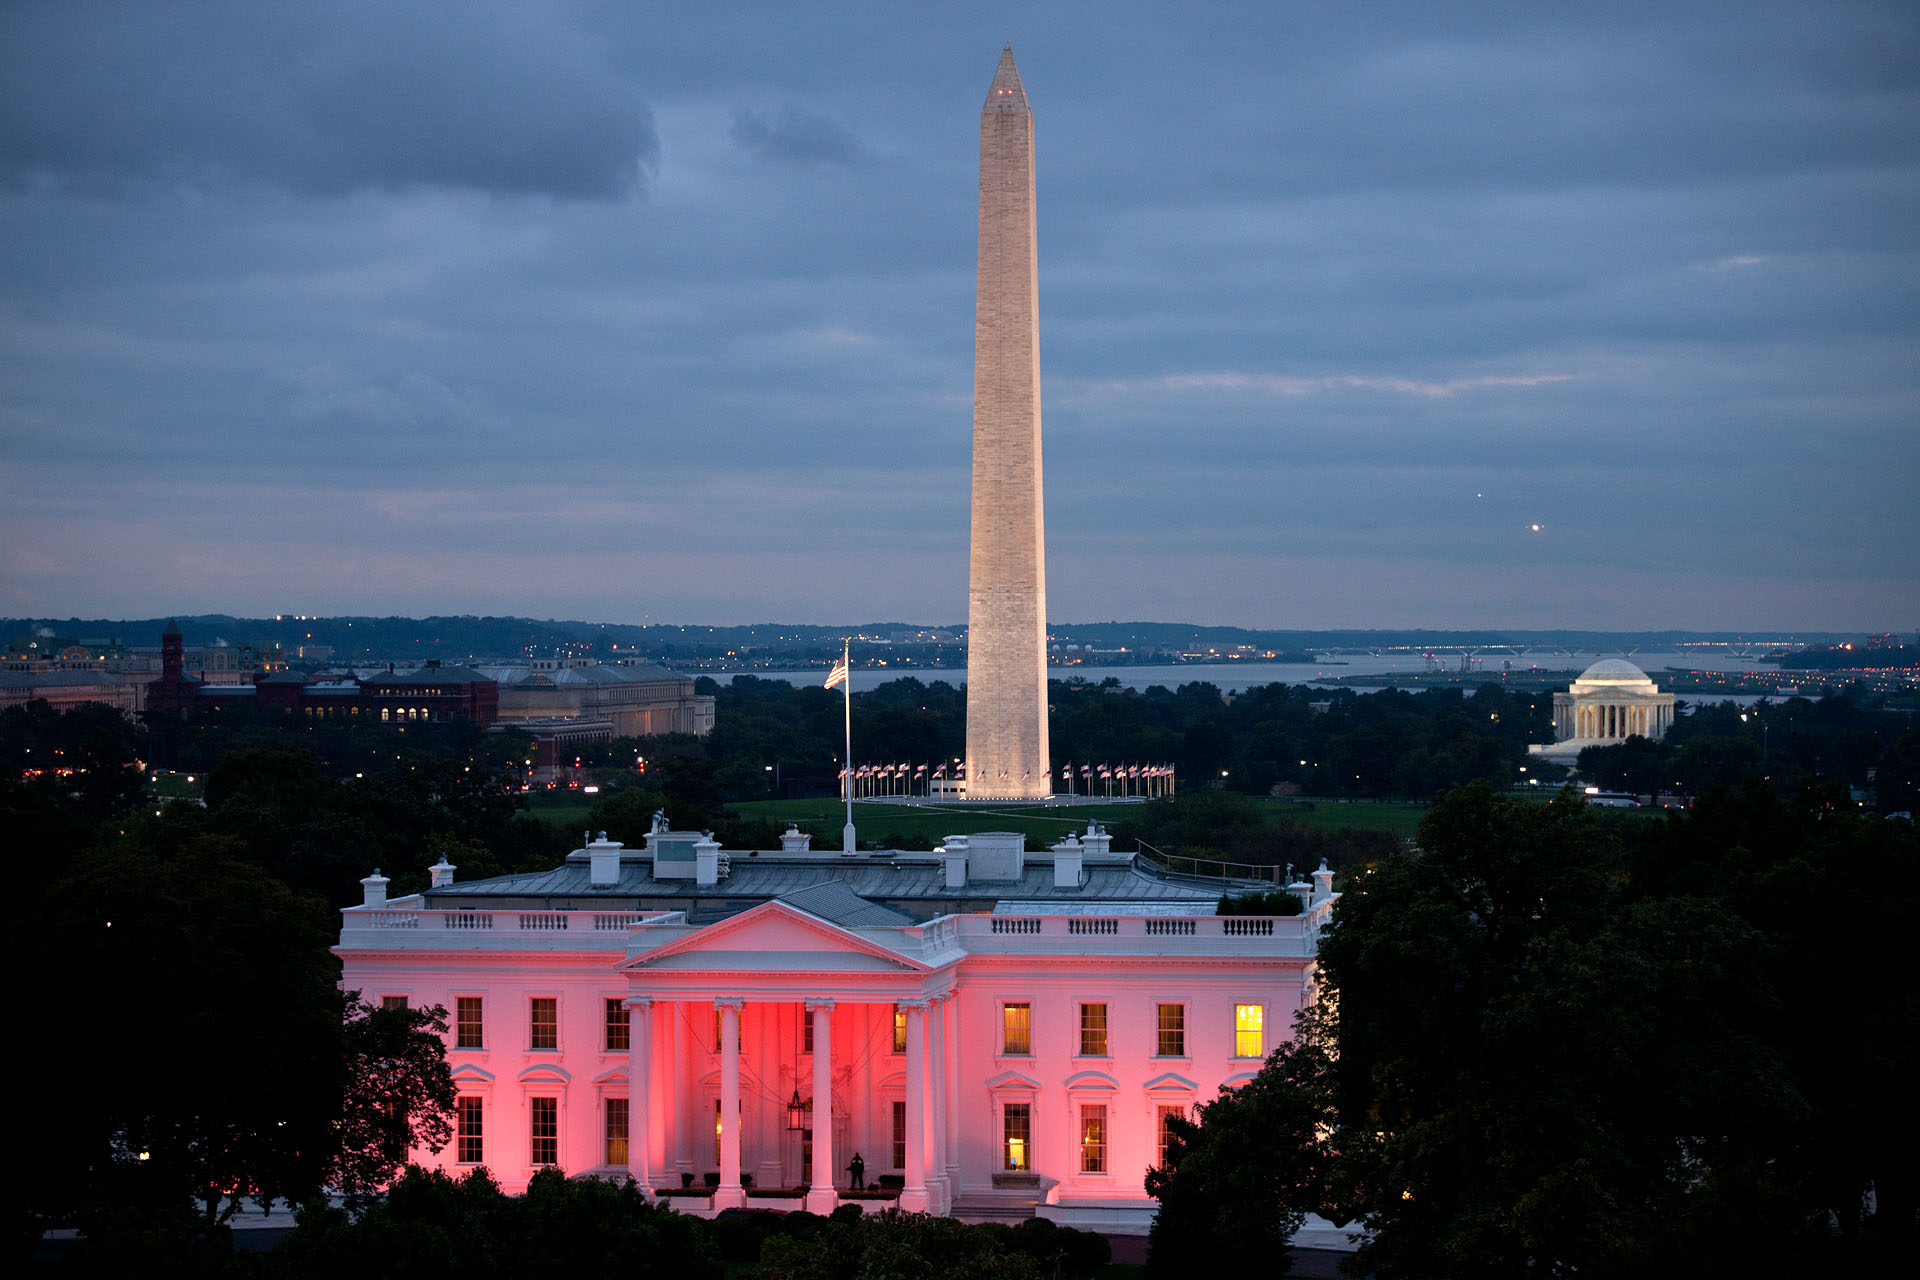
(665, 312)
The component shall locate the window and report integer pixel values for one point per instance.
(617, 1132)
(471, 1149)
(1016, 1028)
(545, 1130)
(1249, 1031)
(806, 1034)
(543, 1031)
(1093, 1030)
(899, 1135)
(1165, 1134)
(716, 1133)
(393, 1002)
(899, 1029)
(466, 1022)
(619, 1026)
(1173, 1031)
(1093, 1139)
(1016, 1136)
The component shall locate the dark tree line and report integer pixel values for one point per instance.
(1549, 1045)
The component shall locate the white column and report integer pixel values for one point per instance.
(950, 1010)
(820, 1194)
(937, 1109)
(682, 1153)
(729, 1196)
(913, 1198)
(661, 1075)
(639, 1093)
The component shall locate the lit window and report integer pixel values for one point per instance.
(543, 1023)
(545, 1130)
(466, 1032)
(899, 1135)
(619, 1027)
(1093, 1030)
(716, 1031)
(1173, 1031)
(617, 1132)
(806, 1032)
(393, 1002)
(1249, 1031)
(1165, 1131)
(716, 1131)
(471, 1150)
(899, 1029)
(1016, 1022)
(1016, 1130)
(1093, 1139)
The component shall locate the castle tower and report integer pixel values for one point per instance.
(1007, 595)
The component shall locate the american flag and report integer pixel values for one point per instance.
(838, 675)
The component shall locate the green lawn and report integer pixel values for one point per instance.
(1402, 817)
(568, 808)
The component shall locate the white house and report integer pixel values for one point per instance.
(999, 1032)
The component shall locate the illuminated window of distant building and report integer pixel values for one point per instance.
(543, 1023)
(1016, 1137)
(471, 1148)
(617, 1132)
(1173, 1031)
(899, 1029)
(899, 1135)
(1093, 1030)
(1249, 1031)
(1016, 1029)
(619, 1026)
(466, 1024)
(1093, 1139)
(544, 1130)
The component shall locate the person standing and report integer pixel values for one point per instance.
(857, 1173)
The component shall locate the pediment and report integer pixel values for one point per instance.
(1014, 1081)
(617, 1075)
(774, 936)
(467, 1073)
(1168, 1082)
(1091, 1080)
(546, 1073)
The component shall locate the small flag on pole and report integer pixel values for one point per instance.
(838, 675)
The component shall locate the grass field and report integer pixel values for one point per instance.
(568, 808)
(1402, 817)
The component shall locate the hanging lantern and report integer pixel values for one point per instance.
(796, 1113)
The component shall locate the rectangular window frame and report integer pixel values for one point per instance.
(394, 1002)
(1249, 1034)
(470, 1129)
(899, 1044)
(543, 1024)
(1094, 1028)
(898, 1112)
(619, 1029)
(1095, 1131)
(470, 1022)
(806, 1033)
(1170, 1029)
(1163, 1111)
(1016, 1035)
(1016, 1137)
(616, 1127)
(543, 1132)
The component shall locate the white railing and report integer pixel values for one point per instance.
(1015, 924)
(1173, 928)
(467, 919)
(617, 919)
(1151, 935)
(589, 930)
(1092, 924)
(1247, 926)
(547, 920)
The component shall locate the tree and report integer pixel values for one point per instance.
(399, 1093)
(1241, 1177)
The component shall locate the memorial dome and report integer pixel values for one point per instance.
(1613, 673)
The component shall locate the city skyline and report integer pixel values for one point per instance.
(1490, 316)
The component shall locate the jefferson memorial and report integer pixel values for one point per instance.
(1613, 700)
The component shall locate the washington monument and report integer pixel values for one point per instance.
(1007, 595)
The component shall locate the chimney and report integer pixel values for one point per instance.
(1067, 863)
(1303, 891)
(706, 860)
(1096, 842)
(1322, 883)
(954, 854)
(603, 858)
(442, 873)
(794, 840)
(374, 890)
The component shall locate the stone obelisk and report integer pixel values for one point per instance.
(1007, 597)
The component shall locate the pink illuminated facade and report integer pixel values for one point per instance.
(999, 1032)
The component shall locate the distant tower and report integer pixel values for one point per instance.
(1007, 597)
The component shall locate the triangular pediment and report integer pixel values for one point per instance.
(774, 936)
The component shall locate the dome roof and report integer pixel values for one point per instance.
(1613, 671)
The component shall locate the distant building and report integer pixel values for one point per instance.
(64, 690)
(637, 699)
(1613, 700)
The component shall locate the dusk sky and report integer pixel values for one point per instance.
(665, 313)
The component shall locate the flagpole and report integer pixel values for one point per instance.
(846, 689)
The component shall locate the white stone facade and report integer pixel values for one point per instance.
(1011, 1057)
(1613, 700)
